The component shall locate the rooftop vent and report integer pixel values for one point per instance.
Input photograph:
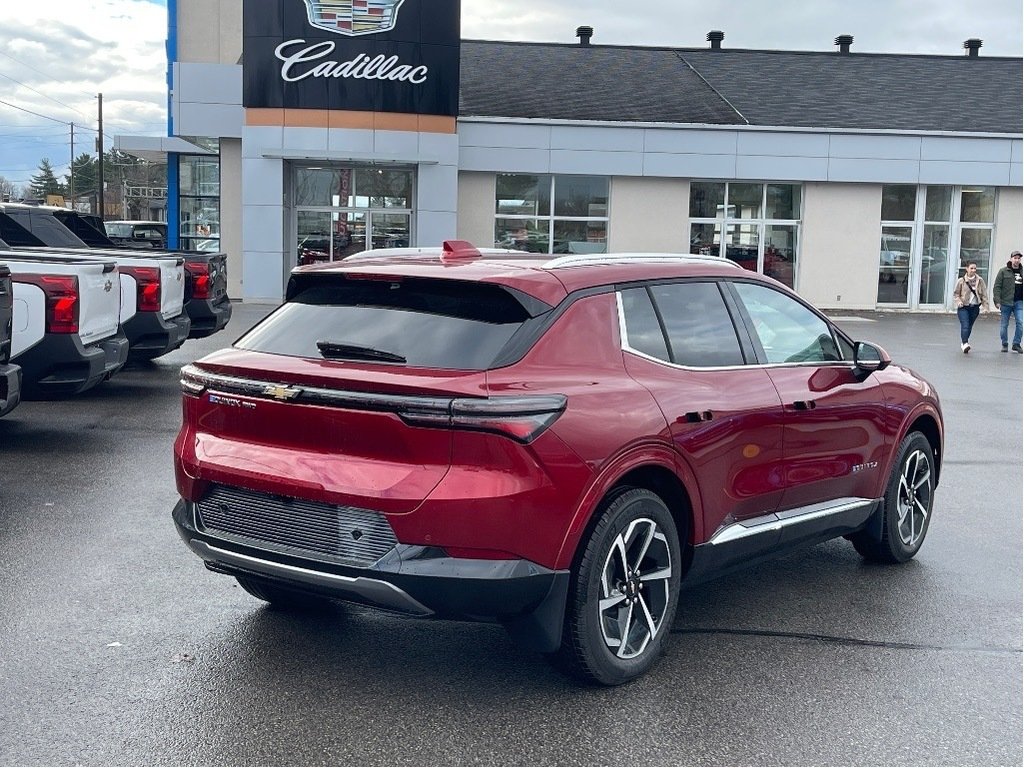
(844, 42)
(715, 37)
(584, 34)
(973, 45)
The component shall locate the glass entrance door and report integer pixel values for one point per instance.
(340, 211)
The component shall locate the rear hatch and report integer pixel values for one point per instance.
(328, 397)
(6, 313)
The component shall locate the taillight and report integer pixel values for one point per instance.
(192, 381)
(147, 287)
(200, 279)
(61, 292)
(521, 418)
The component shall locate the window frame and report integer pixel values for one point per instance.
(955, 228)
(747, 350)
(762, 222)
(550, 219)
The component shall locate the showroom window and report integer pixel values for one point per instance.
(344, 210)
(921, 226)
(199, 202)
(756, 225)
(551, 214)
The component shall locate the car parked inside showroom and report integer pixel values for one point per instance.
(552, 443)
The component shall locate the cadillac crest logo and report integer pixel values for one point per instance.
(354, 17)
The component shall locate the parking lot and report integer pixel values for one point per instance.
(118, 647)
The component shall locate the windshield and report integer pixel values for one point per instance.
(118, 230)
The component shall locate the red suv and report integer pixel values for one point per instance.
(551, 443)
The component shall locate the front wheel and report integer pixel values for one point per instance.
(624, 592)
(907, 506)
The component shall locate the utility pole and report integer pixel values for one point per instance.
(99, 148)
(71, 178)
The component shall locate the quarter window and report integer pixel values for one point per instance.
(756, 225)
(551, 214)
(788, 331)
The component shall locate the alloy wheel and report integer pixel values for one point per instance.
(635, 588)
(914, 500)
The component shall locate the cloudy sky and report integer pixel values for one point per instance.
(55, 56)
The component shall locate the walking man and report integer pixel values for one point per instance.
(970, 297)
(1007, 295)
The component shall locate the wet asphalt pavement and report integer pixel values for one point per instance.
(118, 647)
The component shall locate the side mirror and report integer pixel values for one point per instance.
(868, 357)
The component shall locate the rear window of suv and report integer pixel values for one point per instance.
(443, 324)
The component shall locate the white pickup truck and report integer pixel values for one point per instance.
(66, 335)
(10, 374)
(153, 317)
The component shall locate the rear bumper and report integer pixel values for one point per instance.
(10, 388)
(61, 365)
(207, 316)
(414, 580)
(150, 335)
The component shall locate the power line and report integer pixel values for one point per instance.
(55, 101)
(45, 117)
(35, 69)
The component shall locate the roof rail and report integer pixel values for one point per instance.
(431, 252)
(581, 259)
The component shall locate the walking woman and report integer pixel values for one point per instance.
(969, 296)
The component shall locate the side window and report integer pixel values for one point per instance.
(789, 332)
(643, 331)
(697, 322)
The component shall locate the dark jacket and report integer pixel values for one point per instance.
(1002, 286)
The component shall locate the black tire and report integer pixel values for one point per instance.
(907, 506)
(608, 646)
(282, 597)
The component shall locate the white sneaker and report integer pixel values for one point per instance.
(965, 347)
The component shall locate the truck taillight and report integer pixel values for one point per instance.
(200, 279)
(61, 292)
(147, 287)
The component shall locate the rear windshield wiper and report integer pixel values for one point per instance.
(336, 350)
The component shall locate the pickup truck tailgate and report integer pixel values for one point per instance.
(100, 302)
(172, 287)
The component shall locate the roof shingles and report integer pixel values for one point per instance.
(722, 87)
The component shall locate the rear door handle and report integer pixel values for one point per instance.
(805, 405)
(694, 417)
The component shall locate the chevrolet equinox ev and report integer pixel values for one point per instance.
(552, 443)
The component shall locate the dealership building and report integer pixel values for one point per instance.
(306, 130)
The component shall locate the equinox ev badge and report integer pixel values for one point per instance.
(354, 17)
(282, 393)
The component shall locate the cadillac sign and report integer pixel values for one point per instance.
(364, 55)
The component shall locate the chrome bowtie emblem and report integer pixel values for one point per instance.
(108, 286)
(282, 393)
